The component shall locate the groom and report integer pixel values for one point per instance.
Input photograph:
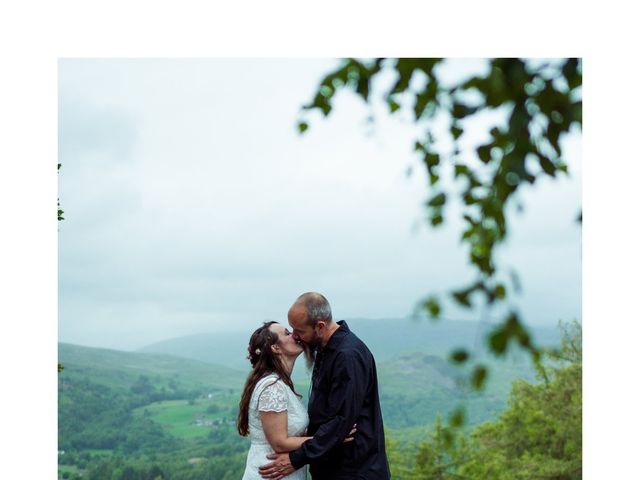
(344, 392)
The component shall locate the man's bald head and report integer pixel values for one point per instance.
(316, 308)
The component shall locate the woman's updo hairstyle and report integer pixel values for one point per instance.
(263, 362)
(260, 345)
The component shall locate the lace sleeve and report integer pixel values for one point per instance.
(273, 398)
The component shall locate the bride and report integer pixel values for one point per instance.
(271, 412)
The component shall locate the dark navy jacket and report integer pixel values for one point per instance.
(344, 391)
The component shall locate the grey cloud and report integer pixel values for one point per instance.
(87, 129)
(192, 205)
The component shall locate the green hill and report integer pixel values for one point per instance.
(228, 349)
(416, 388)
(159, 412)
(144, 408)
(116, 368)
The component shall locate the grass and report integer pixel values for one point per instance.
(178, 416)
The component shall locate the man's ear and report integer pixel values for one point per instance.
(321, 325)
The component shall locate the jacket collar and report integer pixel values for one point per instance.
(338, 336)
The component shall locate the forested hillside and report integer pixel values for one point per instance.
(539, 435)
(125, 415)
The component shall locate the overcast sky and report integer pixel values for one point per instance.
(193, 205)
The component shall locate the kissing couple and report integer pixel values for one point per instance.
(341, 435)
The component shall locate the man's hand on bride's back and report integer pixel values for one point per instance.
(351, 434)
(279, 468)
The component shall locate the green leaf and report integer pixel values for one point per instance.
(563, 167)
(479, 377)
(462, 297)
(302, 126)
(523, 339)
(461, 169)
(570, 71)
(456, 132)
(536, 356)
(498, 342)
(393, 105)
(469, 199)
(484, 153)
(436, 219)
(405, 71)
(469, 219)
(459, 356)
(432, 160)
(459, 111)
(496, 90)
(437, 200)
(433, 307)
(363, 88)
(457, 419)
(553, 135)
(447, 438)
(548, 166)
(576, 112)
(422, 101)
(320, 102)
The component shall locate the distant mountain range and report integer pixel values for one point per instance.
(385, 338)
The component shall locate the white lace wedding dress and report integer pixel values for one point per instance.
(272, 395)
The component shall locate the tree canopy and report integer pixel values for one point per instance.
(539, 435)
(541, 100)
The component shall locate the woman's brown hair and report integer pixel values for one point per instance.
(264, 362)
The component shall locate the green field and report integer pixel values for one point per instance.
(179, 417)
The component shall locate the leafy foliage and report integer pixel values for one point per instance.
(541, 101)
(538, 437)
(60, 218)
(107, 431)
(94, 416)
(60, 212)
